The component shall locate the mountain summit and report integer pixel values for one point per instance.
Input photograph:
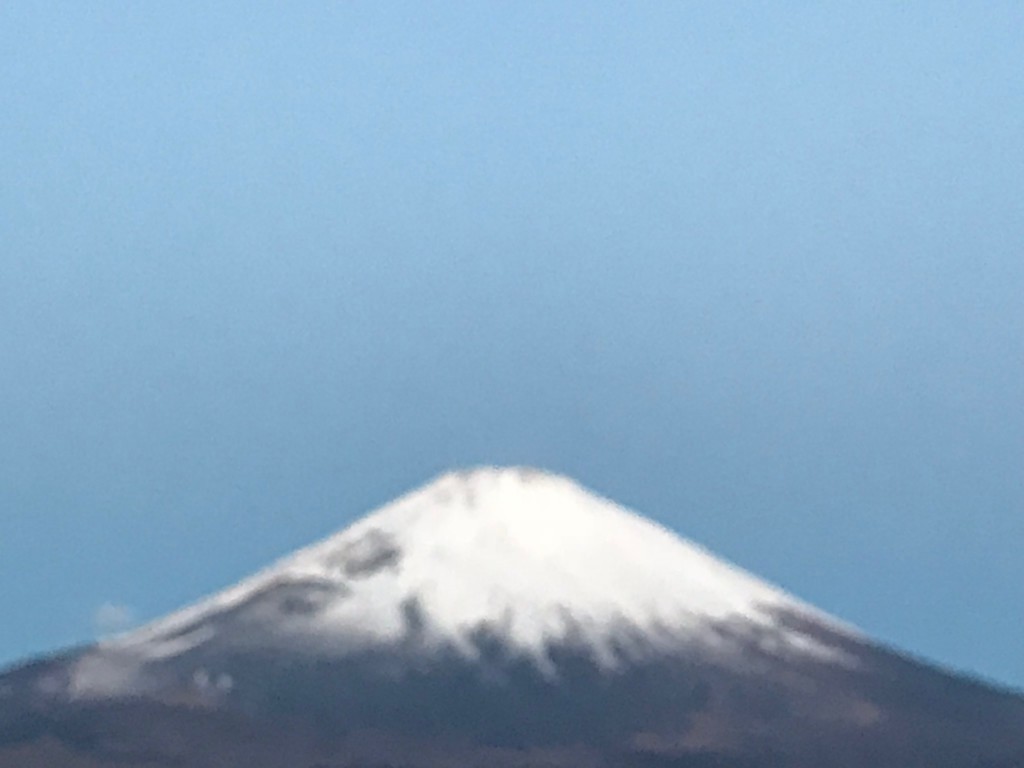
(501, 617)
(530, 557)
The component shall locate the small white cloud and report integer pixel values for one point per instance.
(111, 618)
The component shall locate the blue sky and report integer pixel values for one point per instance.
(754, 270)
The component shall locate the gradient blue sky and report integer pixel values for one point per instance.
(753, 269)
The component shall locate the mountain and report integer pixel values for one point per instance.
(501, 617)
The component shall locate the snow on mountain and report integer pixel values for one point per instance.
(501, 617)
(531, 556)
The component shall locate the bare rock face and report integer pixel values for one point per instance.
(501, 617)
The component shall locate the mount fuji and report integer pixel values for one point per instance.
(501, 617)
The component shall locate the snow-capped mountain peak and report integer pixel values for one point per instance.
(529, 556)
(501, 617)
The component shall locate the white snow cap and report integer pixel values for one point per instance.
(531, 556)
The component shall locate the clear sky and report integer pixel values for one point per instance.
(753, 269)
